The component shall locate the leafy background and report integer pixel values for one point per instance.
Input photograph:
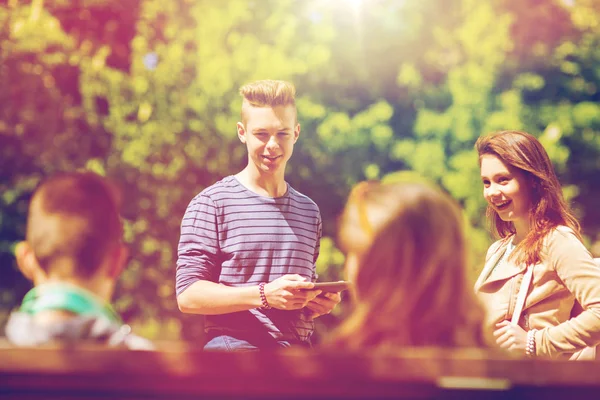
(145, 92)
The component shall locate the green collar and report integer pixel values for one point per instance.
(59, 296)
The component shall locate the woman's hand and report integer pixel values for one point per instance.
(511, 337)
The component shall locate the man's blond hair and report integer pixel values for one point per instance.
(268, 93)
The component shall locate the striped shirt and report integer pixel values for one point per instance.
(235, 237)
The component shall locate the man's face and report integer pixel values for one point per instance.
(269, 134)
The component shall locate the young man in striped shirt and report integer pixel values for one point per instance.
(249, 243)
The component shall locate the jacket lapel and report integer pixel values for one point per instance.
(489, 266)
(492, 273)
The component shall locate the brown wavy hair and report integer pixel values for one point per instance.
(410, 287)
(548, 207)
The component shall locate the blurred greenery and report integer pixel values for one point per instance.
(145, 92)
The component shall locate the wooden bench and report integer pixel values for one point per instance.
(52, 373)
(178, 372)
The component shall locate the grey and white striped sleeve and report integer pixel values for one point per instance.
(198, 249)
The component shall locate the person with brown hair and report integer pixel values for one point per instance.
(249, 243)
(539, 272)
(405, 254)
(73, 254)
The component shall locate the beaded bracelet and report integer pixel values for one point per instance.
(530, 347)
(263, 298)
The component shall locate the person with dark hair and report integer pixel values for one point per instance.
(406, 256)
(538, 275)
(73, 254)
(249, 243)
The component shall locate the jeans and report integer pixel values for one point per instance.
(230, 344)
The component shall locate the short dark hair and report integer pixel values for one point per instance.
(74, 216)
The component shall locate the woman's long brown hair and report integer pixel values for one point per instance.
(548, 209)
(410, 287)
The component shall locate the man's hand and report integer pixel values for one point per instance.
(290, 292)
(511, 337)
(323, 304)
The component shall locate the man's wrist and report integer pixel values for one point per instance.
(263, 298)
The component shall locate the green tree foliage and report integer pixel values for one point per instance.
(146, 93)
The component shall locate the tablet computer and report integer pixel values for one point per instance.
(333, 287)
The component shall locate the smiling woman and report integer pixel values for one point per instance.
(506, 190)
(538, 275)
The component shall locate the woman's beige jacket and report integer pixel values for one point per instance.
(567, 273)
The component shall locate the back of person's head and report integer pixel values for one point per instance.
(524, 152)
(406, 255)
(267, 93)
(73, 254)
(73, 224)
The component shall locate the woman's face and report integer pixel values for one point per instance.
(506, 189)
